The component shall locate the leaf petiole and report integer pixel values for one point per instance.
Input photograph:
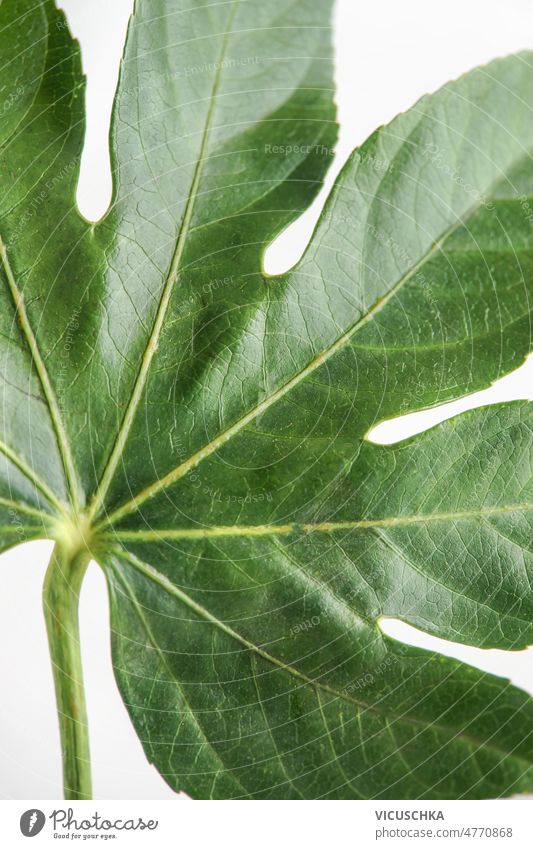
(60, 600)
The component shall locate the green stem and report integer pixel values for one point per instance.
(60, 600)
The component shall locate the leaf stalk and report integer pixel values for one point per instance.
(60, 601)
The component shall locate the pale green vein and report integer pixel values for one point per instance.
(321, 358)
(40, 367)
(20, 507)
(167, 585)
(316, 684)
(308, 527)
(31, 476)
(151, 348)
(22, 532)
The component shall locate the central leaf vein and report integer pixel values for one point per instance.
(150, 350)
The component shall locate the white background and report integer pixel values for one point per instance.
(389, 53)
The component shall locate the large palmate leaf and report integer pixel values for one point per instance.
(198, 427)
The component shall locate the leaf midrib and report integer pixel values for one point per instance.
(319, 527)
(150, 350)
(162, 581)
(197, 457)
(31, 476)
(206, 451)
(37, 359)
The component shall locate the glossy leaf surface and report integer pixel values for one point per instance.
(199, 427)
